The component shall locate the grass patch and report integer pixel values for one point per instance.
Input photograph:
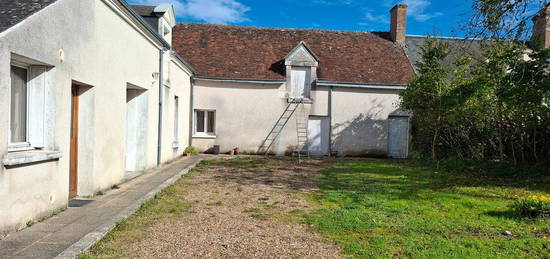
(296, 216)
(217, 203)
(257, 213)
(30, 223)
(377, 209)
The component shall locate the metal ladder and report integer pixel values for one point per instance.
(302, 149)
(279, 126)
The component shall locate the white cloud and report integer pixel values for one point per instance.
(417, 10)
(376, 18)
(211, 11)
(373, 20)
(333, 2)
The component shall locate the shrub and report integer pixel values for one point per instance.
(192, 150)
(533, 206)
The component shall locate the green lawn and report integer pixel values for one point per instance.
(377, 209)
(372, 208)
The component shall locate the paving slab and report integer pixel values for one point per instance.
(88, 219)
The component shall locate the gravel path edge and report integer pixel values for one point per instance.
(93, 237)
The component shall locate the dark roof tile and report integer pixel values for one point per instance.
(15, 11)
(144, 10)
(457, 47)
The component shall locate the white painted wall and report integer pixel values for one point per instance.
(95, 42)
(360, 120)
(180, 85)
(246, 112)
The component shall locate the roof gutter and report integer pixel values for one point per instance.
(366, 86)
(253, 81)
(319, 83)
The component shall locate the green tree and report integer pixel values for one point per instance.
(503, 19)
(495, 107)
(425, 95)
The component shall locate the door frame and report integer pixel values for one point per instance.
(73, 158)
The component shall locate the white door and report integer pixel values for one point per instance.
(136, 130)
(398, 139)
(318, 136)
(299, 77)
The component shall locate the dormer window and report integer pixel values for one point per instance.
(301, 66)
(166, 30)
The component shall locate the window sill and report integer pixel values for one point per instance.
(205, 136)
(20, 148)
(28, 157)
(300, 100)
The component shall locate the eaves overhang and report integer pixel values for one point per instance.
(367, 86)
(318, 83)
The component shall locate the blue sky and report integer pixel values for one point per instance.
(434, 17)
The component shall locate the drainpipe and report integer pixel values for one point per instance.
(191, 112)
(330, 121)
(161, 105)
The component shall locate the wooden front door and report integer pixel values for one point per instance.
(73, 167)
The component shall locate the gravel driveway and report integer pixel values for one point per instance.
(240, 208)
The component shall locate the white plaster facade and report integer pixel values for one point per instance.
(246, 112)
(100, 46)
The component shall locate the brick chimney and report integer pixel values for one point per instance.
(541, 27)
(398, 26)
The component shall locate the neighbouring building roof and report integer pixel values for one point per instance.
(15, 11)
(457, 46)
(148, 14)
(236, 52)
(144, 10)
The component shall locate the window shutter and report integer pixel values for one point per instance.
(37, 105)
(299, 77)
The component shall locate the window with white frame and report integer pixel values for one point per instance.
(176, 118)
(205, 122)
(27, 106)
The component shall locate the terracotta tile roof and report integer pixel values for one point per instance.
(236, 52)
(15, 11)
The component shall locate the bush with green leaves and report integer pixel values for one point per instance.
(191, 150)
(533, 206)
(494, 106)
